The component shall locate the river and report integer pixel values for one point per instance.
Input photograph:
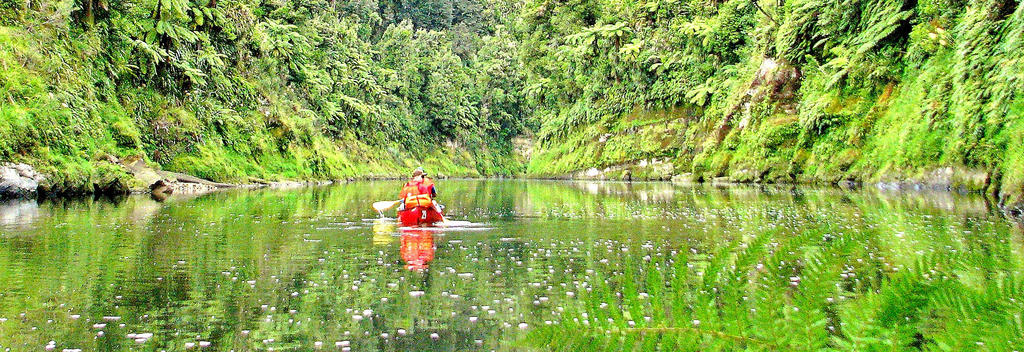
(524, 265)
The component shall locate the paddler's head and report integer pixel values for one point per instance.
(418, 174)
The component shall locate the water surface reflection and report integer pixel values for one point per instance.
(315, 268)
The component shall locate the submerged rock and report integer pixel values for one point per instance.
(19, 181)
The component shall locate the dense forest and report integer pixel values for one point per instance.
(230, 90)
(924, 92)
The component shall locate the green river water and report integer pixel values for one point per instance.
(524, 265)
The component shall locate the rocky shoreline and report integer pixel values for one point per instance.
(19, 180)
(22, 181)
(945, 179)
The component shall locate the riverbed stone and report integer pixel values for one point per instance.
(745, 175)
(19, 180)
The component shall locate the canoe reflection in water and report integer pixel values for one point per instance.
(417, 249)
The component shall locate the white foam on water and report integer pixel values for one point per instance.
(457, 223)
(451, 226)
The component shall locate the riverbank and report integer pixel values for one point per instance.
(948, 180)
(250, 94)
(135, 176)
(914, 95)
(166, 184)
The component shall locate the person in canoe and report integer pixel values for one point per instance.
(418, 207)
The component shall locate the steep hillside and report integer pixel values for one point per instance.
(233, 90)
(926, 93)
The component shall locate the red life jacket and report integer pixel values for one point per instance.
(417, 194)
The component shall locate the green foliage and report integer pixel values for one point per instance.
(798, 90)
(878, 90)
(231, 89)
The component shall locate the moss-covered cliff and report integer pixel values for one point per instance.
(921, 93)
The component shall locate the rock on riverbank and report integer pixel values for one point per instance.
(19, 180)
(642, 170)
(954, 179)
(138, 177)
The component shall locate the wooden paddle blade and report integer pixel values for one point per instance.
(385, 205)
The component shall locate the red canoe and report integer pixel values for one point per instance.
(419, 216)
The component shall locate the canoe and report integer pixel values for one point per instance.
(419, 216)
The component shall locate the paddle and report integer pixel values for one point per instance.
(381, 206)
(444, 222)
